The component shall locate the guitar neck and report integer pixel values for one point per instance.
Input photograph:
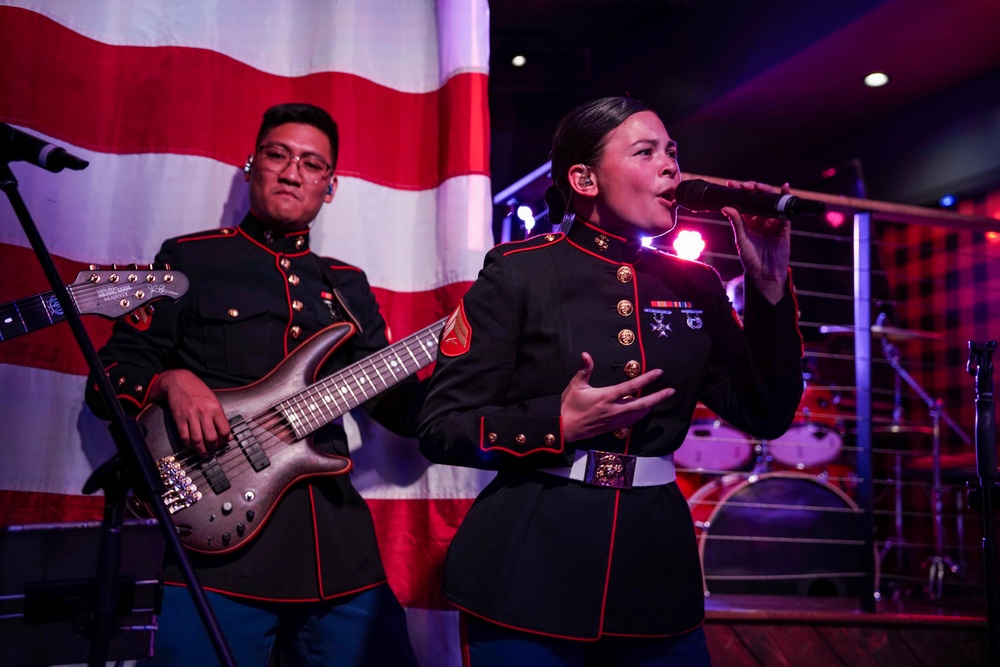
(22, 316)
(322, 402)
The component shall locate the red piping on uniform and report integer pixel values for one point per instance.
(218, 234)
(345, 268)
(534, 247)
(602, 231)
(520, 629)
(319, 569)
(638, 335)
(288, 300)
(535, 450)
(594, 254)
(269, 250)
(263, 599)
(611, 553)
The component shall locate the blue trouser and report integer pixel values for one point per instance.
(362, 630)
(490, 645)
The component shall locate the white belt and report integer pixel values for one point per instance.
(619, 471)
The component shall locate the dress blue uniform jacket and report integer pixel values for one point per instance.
(546, 554)
(254, 296)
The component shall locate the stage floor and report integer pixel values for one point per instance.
(762, 630)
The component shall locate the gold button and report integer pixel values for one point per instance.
(493, 437)
(632, 368)
(601, 241)
(297, 305)
(623, 433)
(550, 439)
(228, 230)
(624, 274)
(233, 312)
(624, 307)
(550, 237)
(626, 337)
(138, 388)
(295, 331)
(121, 382)
(285, 262)
(299, 242)
(294, 280)
(520, 439)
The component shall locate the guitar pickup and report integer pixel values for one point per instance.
(247, 441)
(215, 476)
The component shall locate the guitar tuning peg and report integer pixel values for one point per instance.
(150, 309)
(150, 266)
(114, 267)
(135, 317)
(166, 267)
(93, 267)
(133, 267)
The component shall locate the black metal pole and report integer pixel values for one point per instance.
(981, 367)
(133, 464)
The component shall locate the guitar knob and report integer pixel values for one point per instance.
(226, 538)
(240, 529)
(227, 507)
(250, 515)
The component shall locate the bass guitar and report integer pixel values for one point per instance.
(220, 502)
(110, 294)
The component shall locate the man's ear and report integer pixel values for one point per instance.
(331, 190)
(581, 180)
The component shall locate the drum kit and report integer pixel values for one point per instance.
(778, 516)
(769, 515)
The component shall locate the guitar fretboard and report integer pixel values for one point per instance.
(32, 312)
(324, 401)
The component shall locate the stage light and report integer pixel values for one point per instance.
(876, 80)
(527, 216)
(647, 241)
(946, 201)
(993, 237)
(689, 244)
(835, 218)
(829, 173)
(518, 61)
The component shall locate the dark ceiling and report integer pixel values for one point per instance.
(749, 89)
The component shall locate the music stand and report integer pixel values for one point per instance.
(48, 592)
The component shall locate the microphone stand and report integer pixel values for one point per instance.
(938, 562)
(981, 367)
(133, 464)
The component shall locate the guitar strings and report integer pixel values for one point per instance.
(270, 425)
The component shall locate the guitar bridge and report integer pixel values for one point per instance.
(181, 491)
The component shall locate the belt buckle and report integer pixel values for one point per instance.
(609, 469)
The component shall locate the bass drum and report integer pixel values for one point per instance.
(779, 534)
(712, 446)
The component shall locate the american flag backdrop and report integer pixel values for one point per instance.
(164, 98)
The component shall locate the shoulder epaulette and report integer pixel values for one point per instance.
(225, 232)
(531, 243)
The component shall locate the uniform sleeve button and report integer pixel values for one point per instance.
(233, 312)
(492, 438)
(550, 439)
(520, 439)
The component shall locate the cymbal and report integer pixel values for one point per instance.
(966, 461)
(900, 429)
(892, 333)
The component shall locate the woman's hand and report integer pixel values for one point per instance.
(588, 411)
(763, 243)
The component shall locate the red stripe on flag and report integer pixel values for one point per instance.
(199, 102)
(21, 507)
(52, 348)
(413, 537)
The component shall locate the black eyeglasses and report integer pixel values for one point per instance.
(275, 158)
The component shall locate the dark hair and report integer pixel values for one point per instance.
(580, 138)
(308, 114)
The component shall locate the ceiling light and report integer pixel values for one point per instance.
(876, 80)
(518, 61)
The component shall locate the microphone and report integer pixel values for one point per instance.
(699, 195)
(17, 145)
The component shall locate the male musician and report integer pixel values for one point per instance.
(313, 577)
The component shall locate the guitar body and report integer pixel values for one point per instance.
(220, 504)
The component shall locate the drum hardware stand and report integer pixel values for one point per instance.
(132, 465)
(981, 367)
(937, 563)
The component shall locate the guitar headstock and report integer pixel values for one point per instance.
(119, 291)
